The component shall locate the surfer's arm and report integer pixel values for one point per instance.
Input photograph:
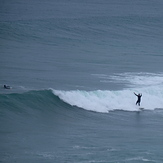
(135, 94)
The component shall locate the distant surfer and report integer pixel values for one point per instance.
(139, 98)
(7, 87)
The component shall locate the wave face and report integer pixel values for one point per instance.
(150, 85)
(30, 103)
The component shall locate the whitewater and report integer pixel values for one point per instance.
(150, 85)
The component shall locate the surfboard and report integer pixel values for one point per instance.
(141, 108)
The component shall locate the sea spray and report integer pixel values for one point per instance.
(105, 100)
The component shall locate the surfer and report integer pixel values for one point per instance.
(139, 98)
(6, 87)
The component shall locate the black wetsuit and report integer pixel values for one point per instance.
(6, 87)
(139, 99)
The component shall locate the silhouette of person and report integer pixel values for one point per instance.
(139, 98)
(6, 87)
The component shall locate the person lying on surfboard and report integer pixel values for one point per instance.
(7, 87)
(139, 98)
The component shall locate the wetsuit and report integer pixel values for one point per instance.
(139, 98)
(7, 87)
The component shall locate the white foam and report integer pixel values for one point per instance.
(133, 79)
(149, 84)
(104, 101)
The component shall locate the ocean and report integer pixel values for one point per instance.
(73, 68)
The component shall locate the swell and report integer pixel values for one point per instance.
(79, 28)
(32, 103)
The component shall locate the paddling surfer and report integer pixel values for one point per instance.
(139, 98)
(7, 87)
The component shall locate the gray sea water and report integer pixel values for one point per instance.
(73, 67)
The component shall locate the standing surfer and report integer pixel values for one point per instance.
(139, 98)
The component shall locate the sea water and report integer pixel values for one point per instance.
(74, 67)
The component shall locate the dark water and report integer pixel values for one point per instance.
(73, 67)
(39, 127)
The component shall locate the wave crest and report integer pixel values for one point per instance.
(104, 101)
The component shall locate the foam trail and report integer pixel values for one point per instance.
(104, 101)
(133, 79)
